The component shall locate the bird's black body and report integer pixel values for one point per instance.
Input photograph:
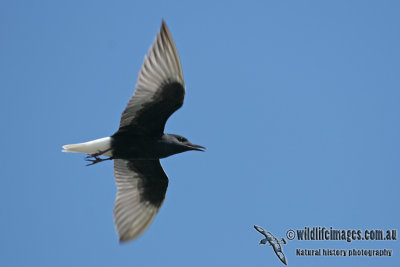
(127, 145)
(140, 141)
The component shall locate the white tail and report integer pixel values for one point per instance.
(91, 147)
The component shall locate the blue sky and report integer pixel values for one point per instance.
(296, 101)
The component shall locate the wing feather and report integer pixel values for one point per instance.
(160, 88)
(141, 188)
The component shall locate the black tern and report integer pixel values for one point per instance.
(140, 142)
(274, 242)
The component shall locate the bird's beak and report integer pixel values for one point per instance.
(195, 147)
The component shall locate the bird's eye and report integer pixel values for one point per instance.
(181, 139)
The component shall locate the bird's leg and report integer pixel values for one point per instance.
(94, 158)
(95, 155)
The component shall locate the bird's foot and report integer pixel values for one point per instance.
(95, 155)
(95, 159)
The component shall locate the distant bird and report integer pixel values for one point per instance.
(140, 141)
(274, 242)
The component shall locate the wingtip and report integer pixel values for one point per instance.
(122, 241)
(126, 239)
(163, 24)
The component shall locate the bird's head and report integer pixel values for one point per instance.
(180, 144)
